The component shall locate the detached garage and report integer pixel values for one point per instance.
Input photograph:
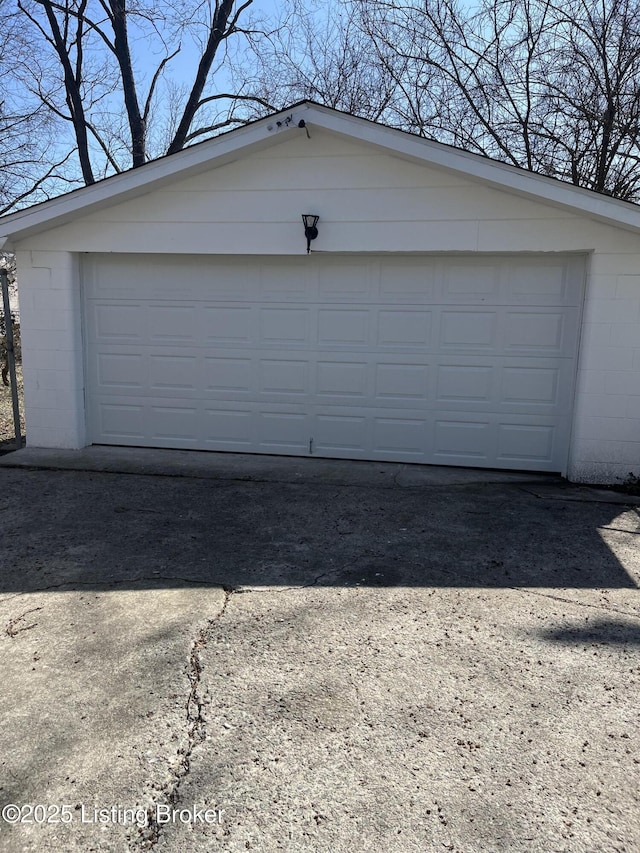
(453, 310)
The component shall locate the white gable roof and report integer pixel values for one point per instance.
(269, 131)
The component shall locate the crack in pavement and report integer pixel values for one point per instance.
(528, 591)
(169, 794)
(577, 603)
(619, 530)
(114, 582)
(629, 501)
(12, 630)
(316, 580)
(242, 590)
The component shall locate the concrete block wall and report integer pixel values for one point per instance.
(606, 435)
(52, 348)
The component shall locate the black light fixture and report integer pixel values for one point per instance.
(310, 230)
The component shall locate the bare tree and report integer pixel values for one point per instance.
(29, 165)
(319, 54)
(550, 85)
(8, 265)
(594, 95)
(108, 94)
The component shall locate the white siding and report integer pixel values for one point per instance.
(368, 201)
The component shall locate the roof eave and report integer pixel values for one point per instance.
(266, 132)
(212, 153)
(499, 175)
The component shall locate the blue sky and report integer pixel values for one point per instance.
(183, 67)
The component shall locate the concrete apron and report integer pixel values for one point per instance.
(263, 655)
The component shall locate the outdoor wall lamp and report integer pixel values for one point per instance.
(310, 230)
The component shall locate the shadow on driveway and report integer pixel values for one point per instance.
(78, 529)
(610, 632)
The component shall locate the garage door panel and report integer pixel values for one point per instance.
(459, 360)
(228, 281)
(173, 423)
(472, 282)
(401, 381)
(285, 326)
(286, 282)
(543, 331)
(230, 429)
(119, 422)
(172, 324)
(540, 283)
(534, 281)
(283, 431)
(466, 384)
(173, 372)
(346, 435)
(284, 376)
(346, 327)
(520, 443)
(117, 322)
(223, 374)
(463, 438)
(469, 330)
(406, 329)
(345, 379)
(413, 281)
(530, 385)
(119, 372)
(499, 441)
(224, 324)
(167, 279)
(499, 384)
(403, 438)
(348, 281)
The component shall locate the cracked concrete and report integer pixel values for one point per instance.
(169, 794)
(404, 660)
(94, 708)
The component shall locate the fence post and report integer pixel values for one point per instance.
(4, 282)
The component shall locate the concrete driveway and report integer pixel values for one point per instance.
(203, 652)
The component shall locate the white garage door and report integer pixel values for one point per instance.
(460, 360)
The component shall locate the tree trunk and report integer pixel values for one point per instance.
(123, 54)
(72, 84)
(216, 34)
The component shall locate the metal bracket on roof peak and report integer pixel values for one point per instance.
(280, 124)
(288, 121)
